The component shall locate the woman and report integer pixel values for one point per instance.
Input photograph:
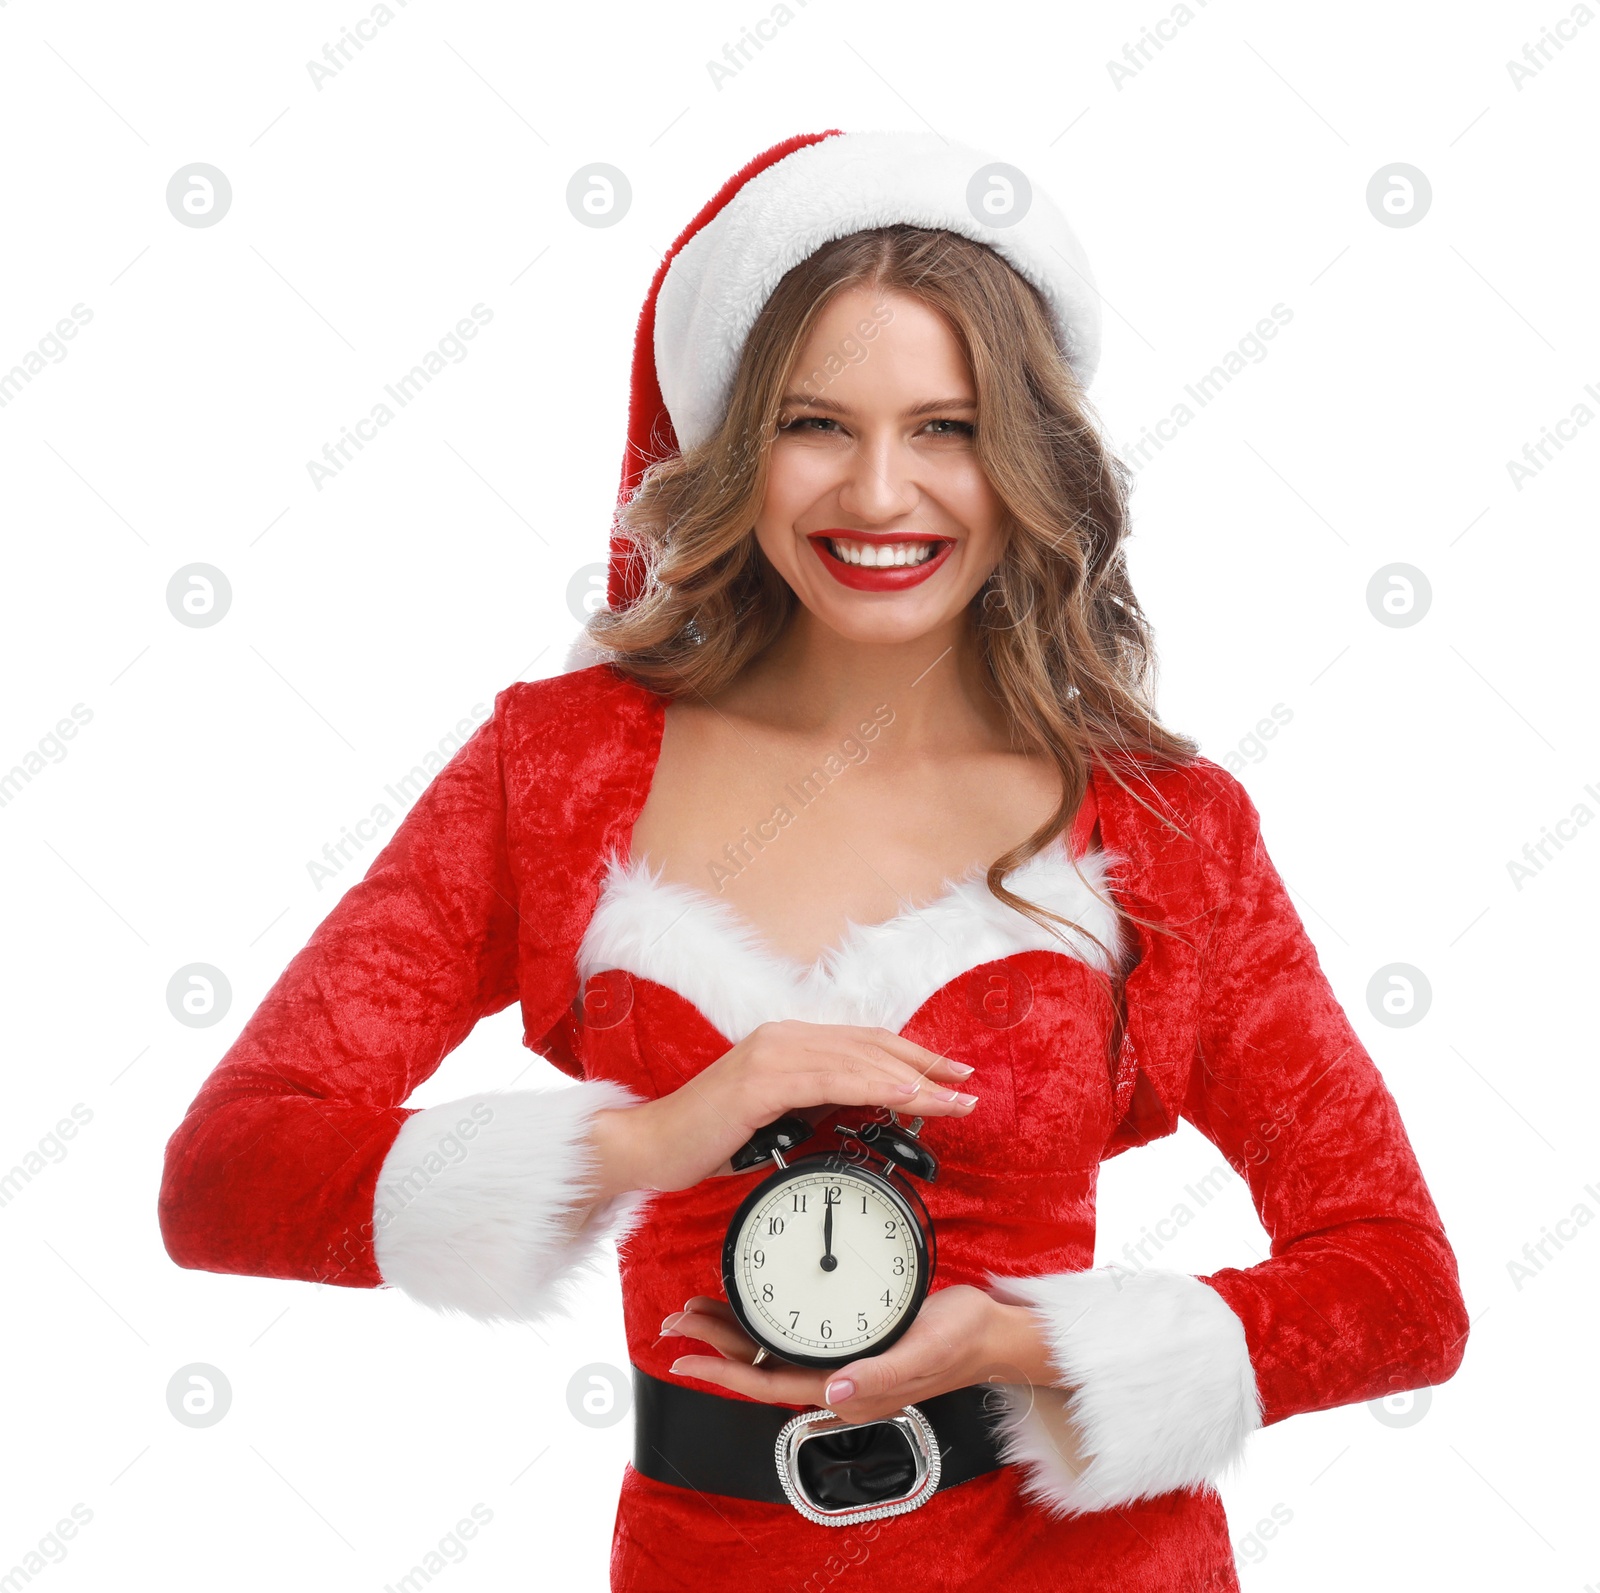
(865, 814)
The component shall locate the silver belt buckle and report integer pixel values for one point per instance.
(910, 1421)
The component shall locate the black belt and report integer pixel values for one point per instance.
(832, 1472)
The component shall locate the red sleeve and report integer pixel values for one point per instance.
(1360, 1297)
(272, 1171)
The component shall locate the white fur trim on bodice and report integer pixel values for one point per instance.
(700, 946)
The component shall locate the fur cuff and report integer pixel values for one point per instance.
(1155, 1382)
(476, 1200)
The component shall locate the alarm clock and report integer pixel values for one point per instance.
(830, 1257)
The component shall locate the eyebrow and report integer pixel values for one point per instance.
(932, 406)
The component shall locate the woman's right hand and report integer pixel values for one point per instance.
(788, 1066)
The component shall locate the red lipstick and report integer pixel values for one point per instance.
(879, 577)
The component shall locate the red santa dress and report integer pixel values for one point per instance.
(510, 881)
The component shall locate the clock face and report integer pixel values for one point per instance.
(824, 1264)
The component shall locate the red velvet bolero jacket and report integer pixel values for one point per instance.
(299, 1160)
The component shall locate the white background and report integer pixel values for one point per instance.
(1227, 175)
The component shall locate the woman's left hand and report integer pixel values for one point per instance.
(960, 1336)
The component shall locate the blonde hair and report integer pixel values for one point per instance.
(1067, 649)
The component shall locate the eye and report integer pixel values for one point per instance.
(803, 422)
(962, 428)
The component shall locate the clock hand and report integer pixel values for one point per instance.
(829, 1259)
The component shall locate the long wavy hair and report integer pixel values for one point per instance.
(1066, 648)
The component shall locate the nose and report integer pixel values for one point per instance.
(879, 482)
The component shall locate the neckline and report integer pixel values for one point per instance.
(1055, 855)
(698, 945)
(1076, 839)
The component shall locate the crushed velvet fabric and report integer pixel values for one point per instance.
(482, 897)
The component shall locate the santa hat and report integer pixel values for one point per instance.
(775, 212)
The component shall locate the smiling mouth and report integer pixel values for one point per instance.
(870, 561)
(881, 555)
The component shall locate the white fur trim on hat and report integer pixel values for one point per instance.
(721, 278)
(1155, 1382)
(483, 1206)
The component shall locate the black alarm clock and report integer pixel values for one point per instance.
(830, 1258)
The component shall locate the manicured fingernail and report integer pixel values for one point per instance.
(965, 1100)
(667, 1321)
(677, 1364)
(908, 1089)
(840, 1388)
(963, 1068)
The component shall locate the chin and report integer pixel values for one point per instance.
(880, 621)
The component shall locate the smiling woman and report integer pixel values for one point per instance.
(1034, 917)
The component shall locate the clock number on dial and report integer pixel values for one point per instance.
(831, 1278)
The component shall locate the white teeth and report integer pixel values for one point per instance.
(879, 554)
